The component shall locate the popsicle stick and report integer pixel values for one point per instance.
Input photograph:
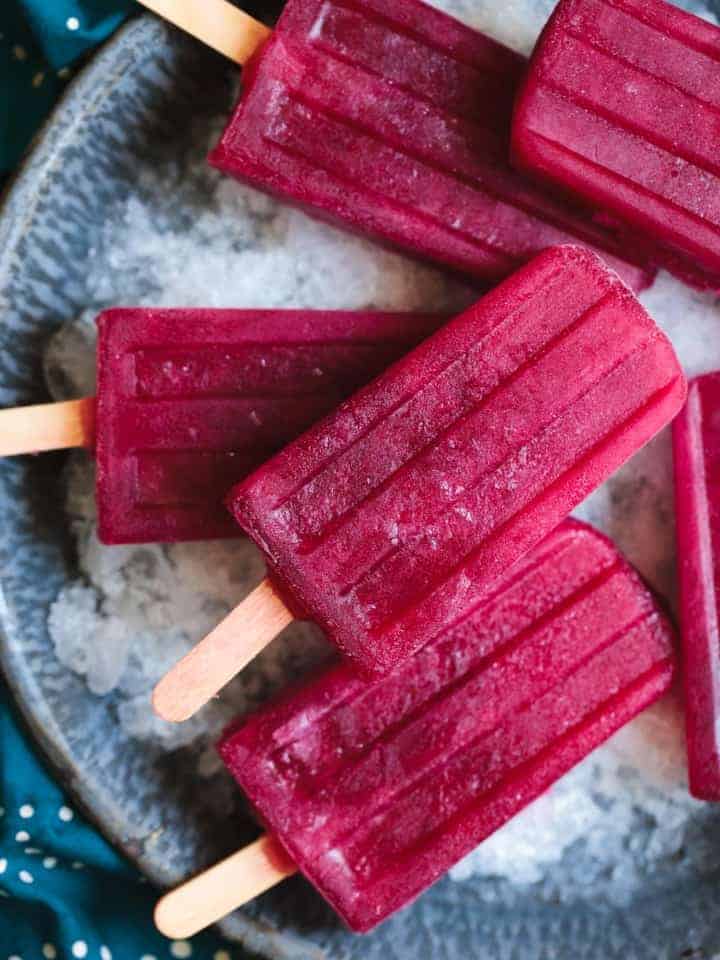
(217, 23)
(218, 891)
(47, 426)
(236, 640)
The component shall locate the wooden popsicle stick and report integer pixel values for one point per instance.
(217, 23)
(218, 891)
(234, 642)
(47, 426)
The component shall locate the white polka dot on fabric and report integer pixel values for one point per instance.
(14, 957)
(49, 951)
(65, 814)
(180, 949)
(148, 956)
(105, 953)
(26, 876)
(32, 851)
(3, 864)
(79, 949)
(22, 836)
(72, 23)
(50, 863)
(26, 811)
(221, 955)
(2, 811)
(77, 865)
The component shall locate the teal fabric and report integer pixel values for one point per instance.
(40, 41)
(64, 892)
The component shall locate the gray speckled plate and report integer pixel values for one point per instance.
(143, 98)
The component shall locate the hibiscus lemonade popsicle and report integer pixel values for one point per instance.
(696, 436)
(393, 119)
(374, 789)
(620, 107)
(191, 401)
(385, 519)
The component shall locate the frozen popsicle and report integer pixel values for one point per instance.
(375, 789)
(696, 437)
(191, 401)
(619, 107)
(386, 518)
(394, 120)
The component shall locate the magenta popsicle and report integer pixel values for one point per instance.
(190, 401)
(394, 120)
(620, 108)
(384, 519)
(696, 437)
(376, 789)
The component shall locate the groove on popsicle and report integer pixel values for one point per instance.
(695, 172)
(421, 67)
(418, 711)
(163, 374)
(414, 171)
(470, 413)
(669, 22)
(493, 474)
(523, 592)
(189, 409)
(648, 205)
(417, 81)
(402, 844)
(402, 108)
(398, 407)
(656, 400)
(541, 739)
(584, 62)
(679, 84)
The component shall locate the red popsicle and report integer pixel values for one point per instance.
(620, 108)
(394, 120)
(418, 493)
(375, 789)
(461, 456)
(696, 436)
(190, 401)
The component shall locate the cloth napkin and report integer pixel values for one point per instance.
(40, 41)
(64, 892)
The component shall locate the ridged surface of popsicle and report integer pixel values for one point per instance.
(696, 440)
(392, 513)
(376, 789)
(191, 401)
(394, 120)
(621, 106)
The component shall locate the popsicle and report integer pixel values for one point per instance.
(190, 401)
(393, 120)
(696, 441)
(619, 107)
(374, 789)
(386, 518)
